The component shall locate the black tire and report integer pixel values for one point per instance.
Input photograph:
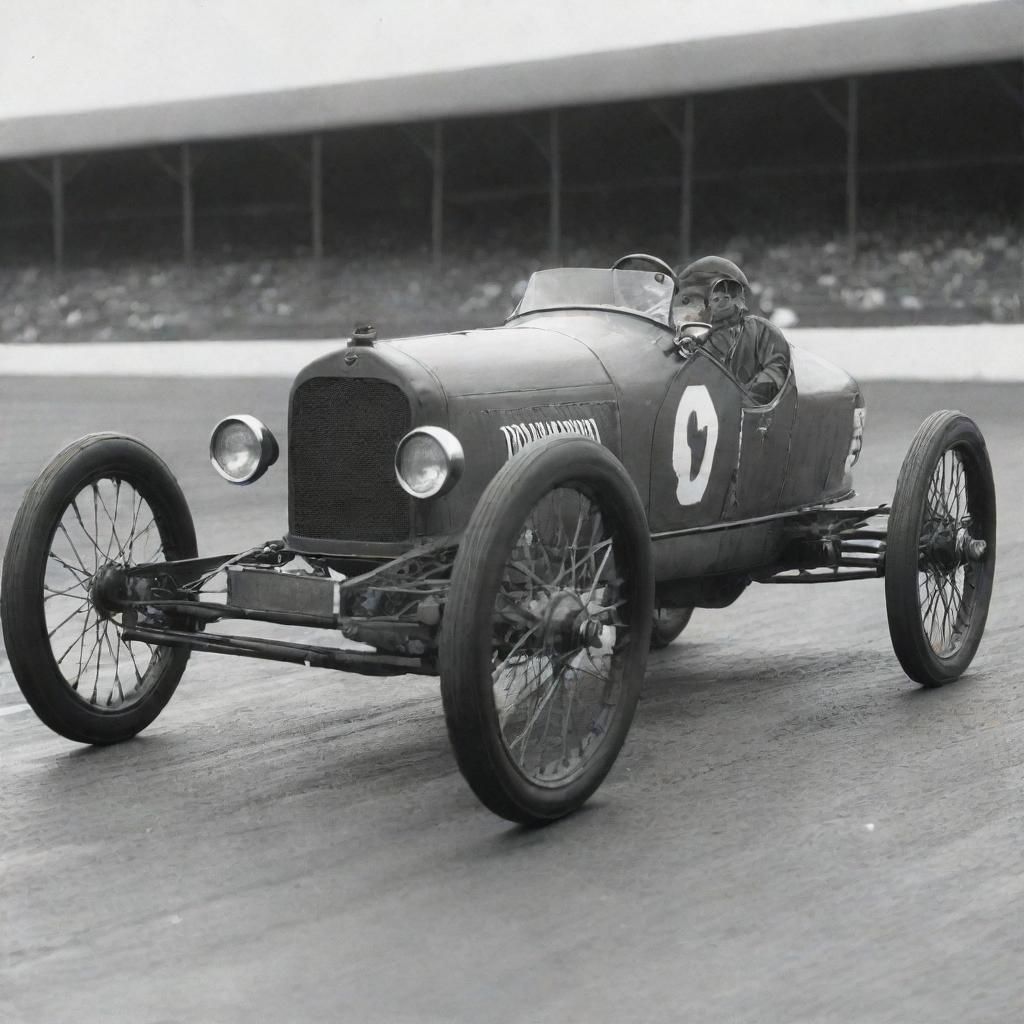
(668, 624)
(95, 472)
(503, 615)
(941, 550)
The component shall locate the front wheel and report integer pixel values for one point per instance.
(546, 629)
(941, 550)
(106, 502)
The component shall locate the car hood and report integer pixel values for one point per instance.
(504, 360)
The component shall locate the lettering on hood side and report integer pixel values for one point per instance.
(518, 435)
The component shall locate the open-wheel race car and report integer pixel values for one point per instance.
(523, 511)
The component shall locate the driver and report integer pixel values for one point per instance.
(713, 290)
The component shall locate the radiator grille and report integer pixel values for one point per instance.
(341, 450)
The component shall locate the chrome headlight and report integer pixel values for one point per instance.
(242, 449)
(428, 461)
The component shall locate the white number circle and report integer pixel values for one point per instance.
(693, 443)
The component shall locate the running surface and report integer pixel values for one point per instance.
(793, 832)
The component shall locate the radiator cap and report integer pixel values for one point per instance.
(364, 334)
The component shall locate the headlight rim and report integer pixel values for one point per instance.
(455, 459)
(269, 448)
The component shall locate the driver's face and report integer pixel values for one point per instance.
(689, 305)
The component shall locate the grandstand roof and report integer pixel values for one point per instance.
(121, 73)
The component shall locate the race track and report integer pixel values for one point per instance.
(793, 832)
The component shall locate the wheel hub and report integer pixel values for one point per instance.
(107, 589)
(568, 625)
(948, 548)
(942, 549)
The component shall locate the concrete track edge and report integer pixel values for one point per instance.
(980, 352)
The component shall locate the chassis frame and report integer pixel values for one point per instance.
(397, 607)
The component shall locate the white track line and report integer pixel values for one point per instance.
(14, 709)
(983, 352)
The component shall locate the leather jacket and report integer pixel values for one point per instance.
(753, 349)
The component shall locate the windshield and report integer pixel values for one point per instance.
(638, 291)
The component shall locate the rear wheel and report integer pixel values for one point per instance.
(668, 624)
(546, 629)
(941, 550)
(104, 503)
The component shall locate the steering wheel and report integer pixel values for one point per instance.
(658, 264)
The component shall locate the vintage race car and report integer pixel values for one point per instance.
(523, 511)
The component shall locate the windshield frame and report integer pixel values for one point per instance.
(666, 323)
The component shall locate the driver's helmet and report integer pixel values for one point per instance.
(710, 289)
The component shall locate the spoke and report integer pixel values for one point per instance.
(63, 593)
(96, 524)
(958, 485)
(64, 621)
(117, 679)
(81, 561)
(113, 518)
(81, 639)
(928, 611)
(530, 688)
(944, 491)
(99, 658)
(81, 649)
(571, 692)
(92, 540)
(547, 724)
(958, 598)
(136, 509)
(541, 542)
(84, 664)
(591, 552)
(541, 705)
(575, 543)
(135, 664)
(611, 676)
(495, 672)
(137, 536)
(597, 576)
(515, 613)
(84, 576)
(945, 613)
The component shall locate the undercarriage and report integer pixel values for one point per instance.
(396, 608)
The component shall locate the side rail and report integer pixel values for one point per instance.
(832, 545)
(395, 607)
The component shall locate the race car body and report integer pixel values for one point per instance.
(523, 511)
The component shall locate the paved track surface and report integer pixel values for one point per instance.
(793, 831)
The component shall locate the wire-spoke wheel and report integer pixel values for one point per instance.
(941, 549)
(668, 624)
(546, 629)
(105, 503)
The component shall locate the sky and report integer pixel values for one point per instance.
(59, 57)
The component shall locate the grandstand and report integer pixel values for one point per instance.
(864, 158)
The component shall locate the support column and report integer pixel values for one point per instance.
(316, 195)
(555, 211)
(437, 196)
(683, 134)
(686, 182)
(57, 205)
(851, 167)
(187, 205)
